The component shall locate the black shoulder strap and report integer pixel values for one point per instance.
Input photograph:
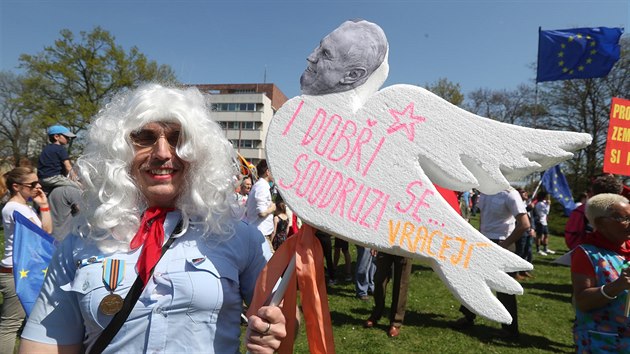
(130, 301)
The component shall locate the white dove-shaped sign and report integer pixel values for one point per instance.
(360, 164)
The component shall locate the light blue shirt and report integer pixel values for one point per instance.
(191, 304)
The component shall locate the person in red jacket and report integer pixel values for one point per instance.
(577, 226)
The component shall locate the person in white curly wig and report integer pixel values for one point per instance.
(157, 169)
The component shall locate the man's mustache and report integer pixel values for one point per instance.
(161, 165)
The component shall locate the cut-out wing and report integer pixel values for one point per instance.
(460, 150)
(367, 176)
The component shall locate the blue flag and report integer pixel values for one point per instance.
(556, 184)
(578, 53)
(32, 252)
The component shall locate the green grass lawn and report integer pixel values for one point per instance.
(545, 315)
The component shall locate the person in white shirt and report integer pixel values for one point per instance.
(503, 220)
(260, 206)
(541, 211)
(22, 184)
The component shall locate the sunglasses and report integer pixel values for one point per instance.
(30, 185)
(621, 219)
(147, 138)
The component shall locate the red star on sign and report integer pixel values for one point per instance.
(411, 119)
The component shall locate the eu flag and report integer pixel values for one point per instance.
(32, 252)
(577, 53)
(556, 184)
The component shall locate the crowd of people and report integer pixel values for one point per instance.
(50, 197)
(182, 235)
(134, 196)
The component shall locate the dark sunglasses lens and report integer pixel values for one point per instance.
(31, 184)
(173, 139)
(143, 138)
(147, 138)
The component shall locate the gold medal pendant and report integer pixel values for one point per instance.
(111, 304)
(113, 274)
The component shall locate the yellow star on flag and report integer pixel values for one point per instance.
(45, 271)
(23, 273)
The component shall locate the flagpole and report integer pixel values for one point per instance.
(536, 88)
(538, 57)
(536, 189)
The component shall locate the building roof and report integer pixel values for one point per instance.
(277, 97)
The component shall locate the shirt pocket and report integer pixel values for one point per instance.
(90, 290)
(211, 289)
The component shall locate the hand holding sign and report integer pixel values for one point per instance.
(361, 164)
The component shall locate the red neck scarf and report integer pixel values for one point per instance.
(151, 235)
(596, 239)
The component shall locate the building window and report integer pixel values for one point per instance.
(243, 125)
(245, 144)
(233, 107)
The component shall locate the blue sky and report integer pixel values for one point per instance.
(478, 44)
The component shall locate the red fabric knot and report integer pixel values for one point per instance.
(151, 235)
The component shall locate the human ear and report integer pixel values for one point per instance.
(354, 75)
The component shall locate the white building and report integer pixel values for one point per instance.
(245, 111)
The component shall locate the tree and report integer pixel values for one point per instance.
(447, 90)
(509, 106)
(69, 81)
(15, 130)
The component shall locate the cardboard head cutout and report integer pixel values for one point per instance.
(361, 163)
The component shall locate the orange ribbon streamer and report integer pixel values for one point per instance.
(309, 276)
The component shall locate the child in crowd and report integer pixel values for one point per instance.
(54, 167)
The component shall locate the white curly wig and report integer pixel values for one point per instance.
(113, 202)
